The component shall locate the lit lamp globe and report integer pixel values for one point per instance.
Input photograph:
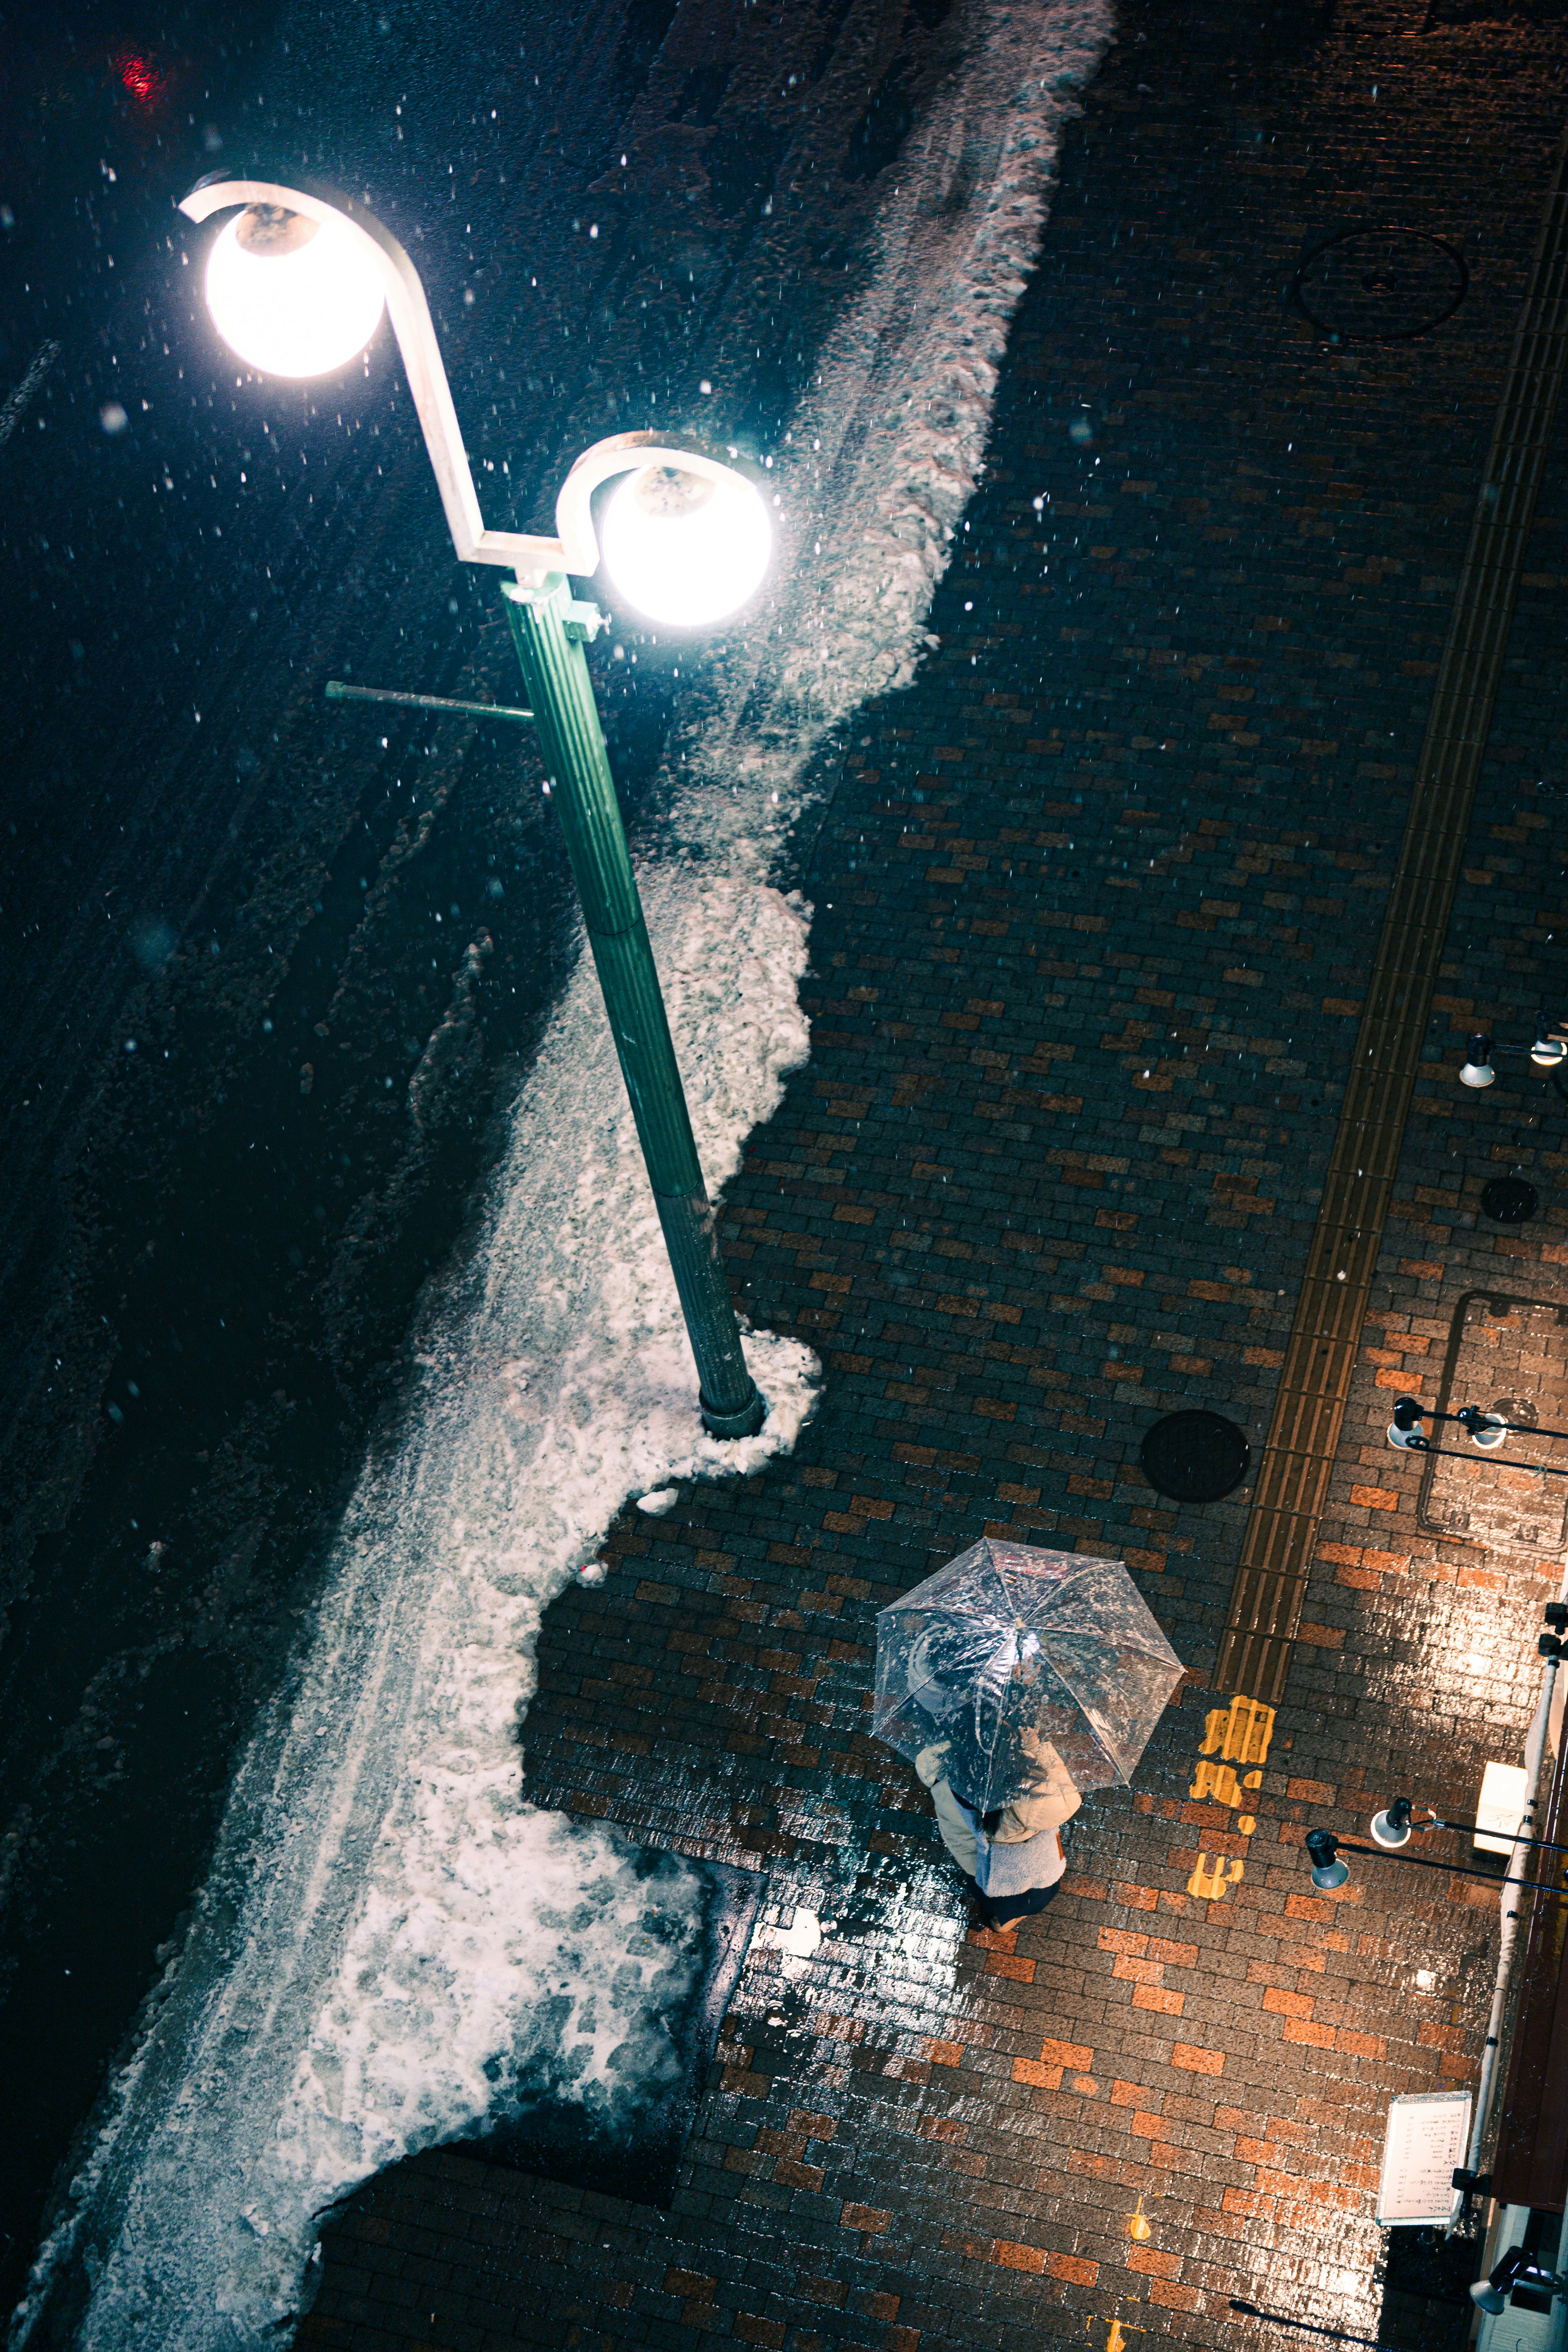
(683, 548)
(291, 295)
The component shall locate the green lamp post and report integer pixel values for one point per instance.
(296, 282)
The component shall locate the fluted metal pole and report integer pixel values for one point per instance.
(549, 628)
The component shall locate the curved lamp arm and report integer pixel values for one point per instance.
(575, 548)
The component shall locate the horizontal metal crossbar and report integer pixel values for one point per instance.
(338, 692)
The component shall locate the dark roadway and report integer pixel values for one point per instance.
(239, 923)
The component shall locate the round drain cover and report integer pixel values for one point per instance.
(1194, 1457)
(1379, 285)
(1509, 1200)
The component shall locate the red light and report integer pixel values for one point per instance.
(141, 77)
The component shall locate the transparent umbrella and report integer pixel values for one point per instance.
(1007, 1649)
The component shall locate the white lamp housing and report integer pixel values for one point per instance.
(291, 295)
(1547, 1053)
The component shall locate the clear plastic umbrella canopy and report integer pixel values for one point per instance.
(1007, 1649)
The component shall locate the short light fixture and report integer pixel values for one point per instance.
(1392, 1826)
(1405, 1429)
(1549, 1048)
(1324, 1851)
(1477, 1070)
(1548, 1053)
(1327, 1871)
(1516, 2269)
(1486, 1430)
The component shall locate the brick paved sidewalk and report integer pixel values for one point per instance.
(1097, 900)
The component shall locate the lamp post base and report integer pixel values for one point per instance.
(732, 1404)
(745, 1424)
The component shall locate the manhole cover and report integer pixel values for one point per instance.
(1379, 285)
(1194, 1457)
(1509, 1200)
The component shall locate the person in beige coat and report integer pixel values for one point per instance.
(1012, 1858)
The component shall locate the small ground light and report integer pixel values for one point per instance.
(1548, 1050)
(1405, 1429)
(1327, 1872)
(1392, 1826)
(1478, 1070)
(1548, 1053)
(1516, 2269)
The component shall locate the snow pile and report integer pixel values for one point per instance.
(390, 1945)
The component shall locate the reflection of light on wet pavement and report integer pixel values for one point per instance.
(1507, 1355)
(797, 1943)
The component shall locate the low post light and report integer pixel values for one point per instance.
(1391, 1828)
(1477, 1070)
(1517, 2269)
(1550, 1046)
(296, 284)
(1487, 1430)
(1548, 1053)
(1327, 1871)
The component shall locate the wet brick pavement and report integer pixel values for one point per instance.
(1095, 903)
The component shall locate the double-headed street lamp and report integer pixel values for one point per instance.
(296, 283)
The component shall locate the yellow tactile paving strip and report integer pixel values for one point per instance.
(1298, 1455)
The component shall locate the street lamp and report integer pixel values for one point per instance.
(296, 285)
